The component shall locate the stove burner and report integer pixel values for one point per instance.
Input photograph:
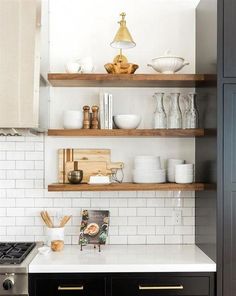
(14, 253)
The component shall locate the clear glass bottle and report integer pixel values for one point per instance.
(185, 112)
(160, 119)
(192, 116)
(175, 115)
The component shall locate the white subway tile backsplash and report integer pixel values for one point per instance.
(155, 202)
(155, 221)
(2, 155)
(145, 230)
(155, 239)
(3, 175)
(14, 155)
(173, 239)
(7, 221)
(7, 184)
(127, 230)
(118, 240)
(7, 146)
(119, 203)
(43, 202)
(146, 212)
(34, 155)
(15, 230)
(143, 217)
(25, 221)
(24, 184)
(24, 165)
(137, 202)
(34, 174)
(137, 240)
(25, 202)
(137, 221)
(15, 174)
(183, 230)
(15, 212)
(99, 203)
(127, 212)
(24, 146)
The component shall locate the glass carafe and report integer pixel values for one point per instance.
(192, 116)
(160, 119)
(175, 115)
(185, 112)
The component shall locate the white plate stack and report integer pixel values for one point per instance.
(147, 169)
(171, 163)
(184, 173)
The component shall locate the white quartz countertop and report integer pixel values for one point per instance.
(124, 258)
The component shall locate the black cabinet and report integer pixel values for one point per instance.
(130, 284)
(229, 230)
(229, 31)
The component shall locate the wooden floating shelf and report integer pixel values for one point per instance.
(127, 132)
(130, 80)
(130, 187)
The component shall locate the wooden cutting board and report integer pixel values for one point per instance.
(90, 161)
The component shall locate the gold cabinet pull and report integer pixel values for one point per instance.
(179, 287)
(79, 288)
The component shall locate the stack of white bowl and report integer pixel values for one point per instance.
(184, 173)
(147, 169)
(171, 163)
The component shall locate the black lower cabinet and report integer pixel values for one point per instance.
(122, 284)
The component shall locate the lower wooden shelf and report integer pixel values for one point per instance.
(130, 187)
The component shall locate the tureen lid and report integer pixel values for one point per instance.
(167, 54)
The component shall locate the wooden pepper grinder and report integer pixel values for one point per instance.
(95, 117)
(86, 121)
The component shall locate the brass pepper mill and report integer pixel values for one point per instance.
(86, 121)
(95, 117)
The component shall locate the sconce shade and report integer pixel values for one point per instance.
(123, 38)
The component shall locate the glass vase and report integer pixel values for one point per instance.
(192, 116)
(160, 119)
(175, 115)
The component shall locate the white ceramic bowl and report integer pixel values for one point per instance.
(127, 121)
(168, 64)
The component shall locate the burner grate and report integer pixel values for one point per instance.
(14, 253)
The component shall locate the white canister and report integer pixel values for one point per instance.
(54, 233)
(73, 119)
(72, 67)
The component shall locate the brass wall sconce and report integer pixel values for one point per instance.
(122, 40)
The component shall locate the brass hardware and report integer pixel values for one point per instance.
(180, 287)
(79, 288)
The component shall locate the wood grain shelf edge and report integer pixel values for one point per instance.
(126, 133)
(130, 187)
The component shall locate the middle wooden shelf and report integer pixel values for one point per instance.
(127, 132)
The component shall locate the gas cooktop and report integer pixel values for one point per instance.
(14, 253)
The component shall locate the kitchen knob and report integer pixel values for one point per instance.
(8, 284)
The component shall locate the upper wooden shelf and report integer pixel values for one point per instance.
(128, 133)
(130, 80)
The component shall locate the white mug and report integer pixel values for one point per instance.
(73, 119)
(72, 67)
(86, 65)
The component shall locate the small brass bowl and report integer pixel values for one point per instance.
(75, 177)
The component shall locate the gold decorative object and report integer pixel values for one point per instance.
(121, 68)
(122, 40)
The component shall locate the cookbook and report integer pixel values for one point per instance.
(94, 227)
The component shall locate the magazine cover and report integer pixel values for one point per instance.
(94, 227)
